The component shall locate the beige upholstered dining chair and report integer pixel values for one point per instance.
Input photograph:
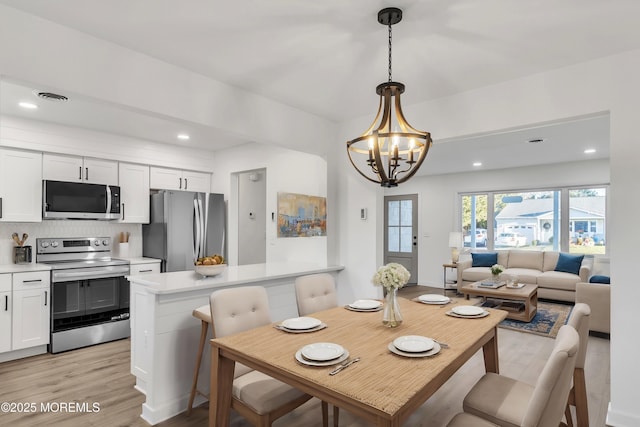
(579, 320)
(317, 292)
(259, 398)
(497, 400)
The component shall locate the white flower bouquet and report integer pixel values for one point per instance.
(391, 276)
(496, 269)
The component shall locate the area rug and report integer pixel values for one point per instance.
(547, 321)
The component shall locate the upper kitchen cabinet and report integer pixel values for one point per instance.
(57, 167)
(20, 186)
(174, 179)
(134, 193)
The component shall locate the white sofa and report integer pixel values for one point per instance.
(535, 267)
(598, 297)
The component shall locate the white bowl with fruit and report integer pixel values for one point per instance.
(210, 265)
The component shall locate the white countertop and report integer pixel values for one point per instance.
(21, 268)
(141, 260)
(184, 281)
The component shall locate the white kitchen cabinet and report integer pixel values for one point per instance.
(20, 186)
(134, 193)
(59, 167)
(31, 304)
(5, 312)
(175, 179)
(145, 268)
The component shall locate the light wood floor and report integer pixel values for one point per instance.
(100, 374)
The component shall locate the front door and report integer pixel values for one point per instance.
(401, 232)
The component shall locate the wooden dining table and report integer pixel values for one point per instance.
(381, 387)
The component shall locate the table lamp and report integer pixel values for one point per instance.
(455, 241)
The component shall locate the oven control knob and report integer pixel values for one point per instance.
(44, 244)
(105, 243)
(96, 243)
(54, 244)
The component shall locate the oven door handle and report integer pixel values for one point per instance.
(83, 274)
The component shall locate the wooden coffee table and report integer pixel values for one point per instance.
(521, 304)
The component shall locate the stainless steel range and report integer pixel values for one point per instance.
(89, 291)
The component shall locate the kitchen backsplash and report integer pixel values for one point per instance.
(66, 228)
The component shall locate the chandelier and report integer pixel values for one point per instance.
(390, 151)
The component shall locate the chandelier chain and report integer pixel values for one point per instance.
(389, 53)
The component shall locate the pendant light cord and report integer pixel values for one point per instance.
(389, 53)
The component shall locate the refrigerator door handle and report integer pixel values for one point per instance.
(202, 227)
(196, 238)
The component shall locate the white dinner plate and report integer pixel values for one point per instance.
(322, 351)
(435, 350)
(300, 358)
(299, 323)
(413, 343)
(468, 310)
(433, 299)
(366, 304)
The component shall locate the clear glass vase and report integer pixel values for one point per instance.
(391, 316)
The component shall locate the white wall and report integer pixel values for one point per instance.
(605, 85)
(287, 171)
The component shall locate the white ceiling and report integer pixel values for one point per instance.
(326, 57)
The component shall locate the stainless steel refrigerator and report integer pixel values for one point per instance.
(184, 226)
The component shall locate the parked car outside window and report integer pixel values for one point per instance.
(481, 238)
(511, 239)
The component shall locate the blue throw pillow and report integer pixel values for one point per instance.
(569, 263)
(484, 259)
(600, 279)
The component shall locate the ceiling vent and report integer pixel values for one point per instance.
(50, 96)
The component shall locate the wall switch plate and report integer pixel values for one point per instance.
(363, 213)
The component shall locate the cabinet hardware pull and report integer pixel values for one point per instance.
(45, 298)
(0, 207)
(80, 173)
(86, 174)
(32, 281)
(180, 184)
(145, 271)
(185, 183)
(123, 211)
(6, 303)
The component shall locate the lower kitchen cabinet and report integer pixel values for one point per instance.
(5, 312)
(31, 314)
(144, 267)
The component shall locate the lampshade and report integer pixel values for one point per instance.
(390, 151)
(455, 239)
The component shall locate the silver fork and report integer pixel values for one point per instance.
(442, 344)
(344, 365)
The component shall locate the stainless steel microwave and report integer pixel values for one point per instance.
(75, 200)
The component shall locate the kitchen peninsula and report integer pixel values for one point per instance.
(164, 334)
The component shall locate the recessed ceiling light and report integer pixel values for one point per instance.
(28, 105)
(589, 151)
(183, 136)
(535, 140)
(477, 164)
